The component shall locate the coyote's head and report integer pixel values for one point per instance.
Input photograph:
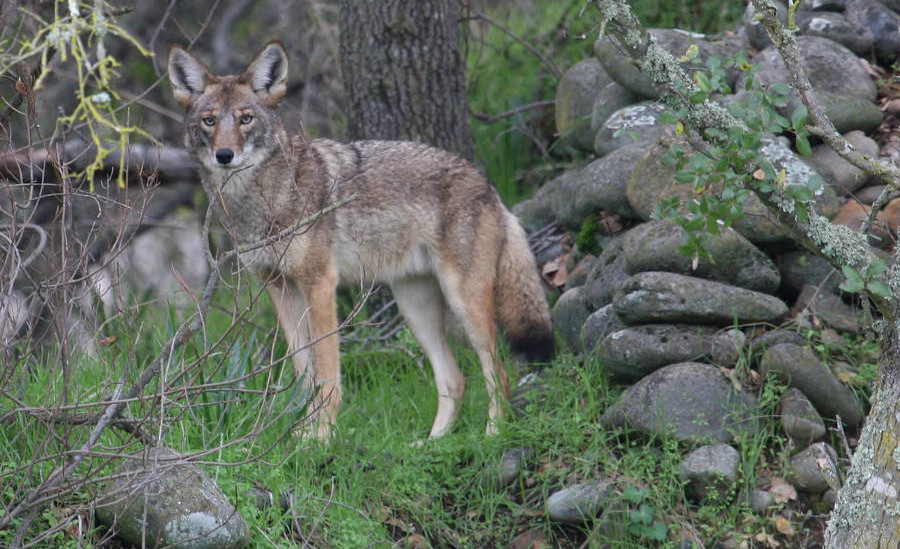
(231, 120)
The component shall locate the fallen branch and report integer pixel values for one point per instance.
(168, 163)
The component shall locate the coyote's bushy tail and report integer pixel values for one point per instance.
(522, 309)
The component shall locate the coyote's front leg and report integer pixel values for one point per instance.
(308, 317)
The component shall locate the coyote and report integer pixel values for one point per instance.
(416, 218)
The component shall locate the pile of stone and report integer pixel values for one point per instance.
(674, 327)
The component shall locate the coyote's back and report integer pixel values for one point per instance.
(416, 218)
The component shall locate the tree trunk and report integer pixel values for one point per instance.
(404, 74)
(867, 513)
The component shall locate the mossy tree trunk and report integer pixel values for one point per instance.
(404, 73)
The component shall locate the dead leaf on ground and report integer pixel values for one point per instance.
(782, 491)
(784, 526)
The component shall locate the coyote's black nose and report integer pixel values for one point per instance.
(224, 156)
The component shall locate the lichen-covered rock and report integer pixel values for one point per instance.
(632, 124)
(610, 98)
(727, 346)
(654, 297)
(652, 181)
(600, 324)
(728, 256)
(580, 503)
(711, 472)
(636, 351)
(162, 500)
(835, 26)
(689, 401)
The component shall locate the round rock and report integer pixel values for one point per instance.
(575, 96)
(711, 472)
(689, 401)
(801, 368)
(653, 297)
(162, 500)
(729, 257)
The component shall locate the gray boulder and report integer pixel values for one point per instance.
(652, 181)
(609, 99)
(799, 418)
(882, 22)
(823, 5)
(607, 276)
(636, 351)
(800, 367)
(569, 314)
(689, 401)
(164, 501)
(600, 324)
(815, 469)
(848, 112)
(676, 41)
(830, 67)
(838, 172)
(774, 337)
(570, 198)
(840, 80)
(580, 503)
(799, 268)
(575, 96)
(829, 308)
(513, 463)
(731, 258)
(668, 297)
(711, 472)
(727, 346)
(836, 27)
(632, 124)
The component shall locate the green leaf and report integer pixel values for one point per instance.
(803, 146)
(634, 495)
(699, 97)
(798, 117)
(879, 288)
(659, 531)
(853, 281)
(875, 268)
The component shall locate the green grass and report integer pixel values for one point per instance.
(373, 486)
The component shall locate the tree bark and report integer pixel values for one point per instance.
(404, 73)
(867, 513)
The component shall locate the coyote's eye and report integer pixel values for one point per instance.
(208, 120)
(246, 119)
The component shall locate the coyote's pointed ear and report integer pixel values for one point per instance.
(267, 74)
(189, 77)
